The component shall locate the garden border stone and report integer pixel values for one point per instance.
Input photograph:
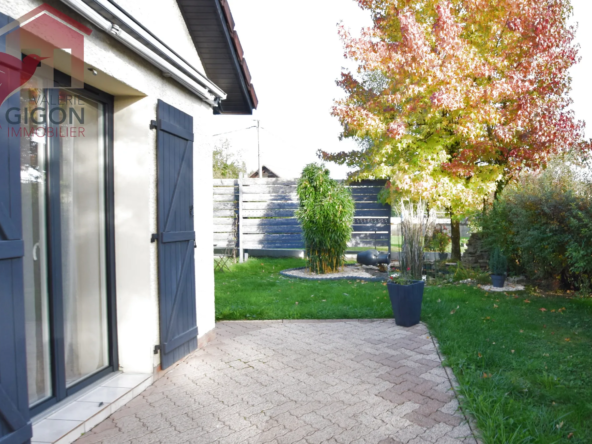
(337, 278)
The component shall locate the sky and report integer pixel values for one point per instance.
(582, 72)
(295, 56)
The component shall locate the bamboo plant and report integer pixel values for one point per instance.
(326, 214)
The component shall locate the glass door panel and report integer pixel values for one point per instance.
(33, 185)
(82, 202)
(63, 156)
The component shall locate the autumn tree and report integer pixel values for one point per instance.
(453, 99)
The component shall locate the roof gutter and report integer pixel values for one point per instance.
(193, 81)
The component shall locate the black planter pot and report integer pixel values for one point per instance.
(443, 256)
(406, 302)
(498, 280)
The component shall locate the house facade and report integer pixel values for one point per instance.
(105, 192)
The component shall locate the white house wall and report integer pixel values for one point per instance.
(137, 86)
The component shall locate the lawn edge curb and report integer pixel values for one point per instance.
(340, 278)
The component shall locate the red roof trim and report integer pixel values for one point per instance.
(239, 51)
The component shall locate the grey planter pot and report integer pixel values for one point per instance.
(443, 256)
(406, 302)
(498, 280)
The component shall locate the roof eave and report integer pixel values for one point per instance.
(226, 66)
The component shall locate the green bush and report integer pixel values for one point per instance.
(326, 214)
(498, 264)
(438, 241)
(543, 224)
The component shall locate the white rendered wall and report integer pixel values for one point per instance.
(137, 86)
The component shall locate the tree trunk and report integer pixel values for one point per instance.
(455, 238)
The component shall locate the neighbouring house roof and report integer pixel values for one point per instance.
(211, 27)
(267, 173)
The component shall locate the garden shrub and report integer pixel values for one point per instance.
(326, 214)
(438, 241)
(543, 224)
(498, 264)
(462, 273)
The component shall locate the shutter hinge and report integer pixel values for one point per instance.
(153, 238)
(153, 124)
(156, 349)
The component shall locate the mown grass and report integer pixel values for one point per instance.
(255, 290)
(523, 360)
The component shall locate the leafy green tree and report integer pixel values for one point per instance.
(326, 214)
(227, 165)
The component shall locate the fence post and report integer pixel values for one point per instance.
(390, 232)
(239, 221)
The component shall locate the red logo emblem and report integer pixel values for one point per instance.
(42, 34)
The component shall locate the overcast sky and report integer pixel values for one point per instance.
(295, 56)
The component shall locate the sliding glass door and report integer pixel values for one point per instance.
(34, 190)
(64, 153)
(82, 201)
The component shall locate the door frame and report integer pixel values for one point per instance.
(55, 291)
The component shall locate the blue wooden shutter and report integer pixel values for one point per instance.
(176, 236)
(15, 427)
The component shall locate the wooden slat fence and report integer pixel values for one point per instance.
(260, 214)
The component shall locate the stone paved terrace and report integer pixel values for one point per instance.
(298, 382)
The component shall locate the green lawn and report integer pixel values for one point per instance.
(255, 290)
(524, 361)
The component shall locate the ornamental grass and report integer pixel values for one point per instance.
(417, 222)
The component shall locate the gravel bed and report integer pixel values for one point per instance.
(349, 272)
(506, 287)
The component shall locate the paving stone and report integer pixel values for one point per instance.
(432, 406)
(453, 420)
(450, 408)
(97, 435)
(296, 435)
(241, 436)
(315, 420)
(461, 431)
(412, 396)
(433, 434)
(298, 383)
(408, 433)
(420, 420)
(419, 440)
(448, 440)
